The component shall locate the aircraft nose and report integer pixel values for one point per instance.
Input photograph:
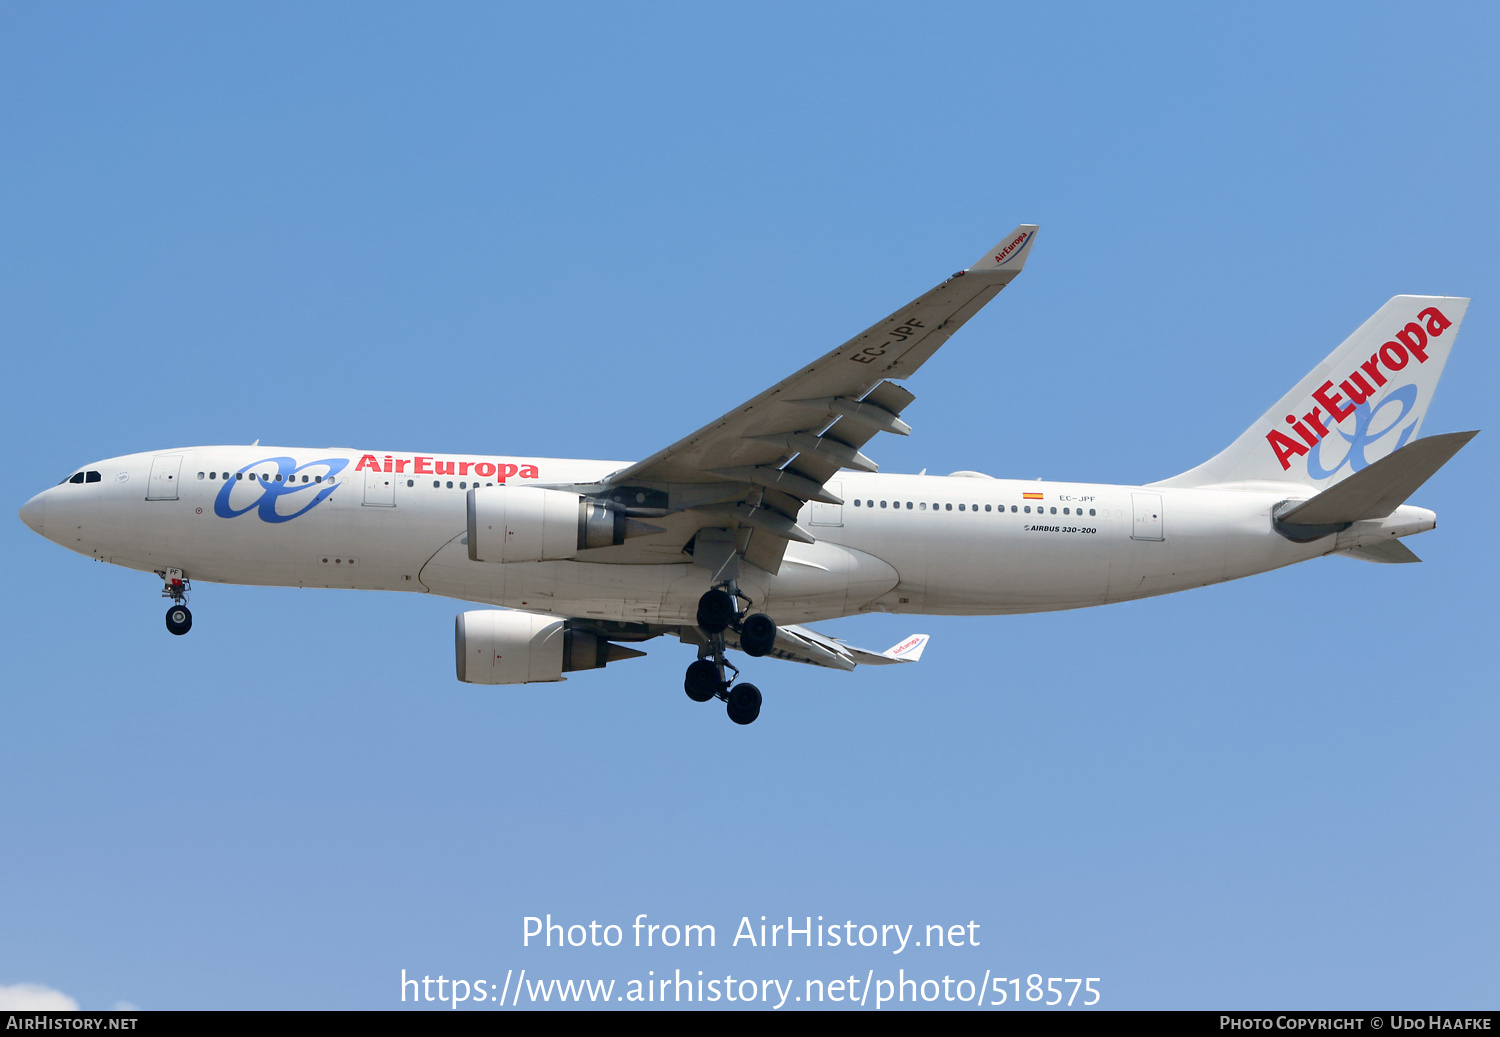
(34, 512)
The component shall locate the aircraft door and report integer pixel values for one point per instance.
(829, 514)
(163, 482)
(1149, 524)
(380, 489)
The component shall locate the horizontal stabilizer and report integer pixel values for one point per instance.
(1380, 488)
(1389, 552)
(804, 645)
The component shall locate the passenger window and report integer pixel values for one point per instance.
(450, 484)
(908, 505)
(318, 479)
(238, 476)
(1054, 511)
(202, 475)
(278, 476)
(947, 507)
(436, 485)
(1013, 509)
(1028, 509)
(882, 504)
(1065, 511)
(986, 507)
(1091, 513)
(857, 502)
(411, 482)
(922, 506)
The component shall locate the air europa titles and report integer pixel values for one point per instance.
(1363, 382)
(1009, 251)
(420, 465)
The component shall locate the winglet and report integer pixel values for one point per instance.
(908, 651)
(1009, 256)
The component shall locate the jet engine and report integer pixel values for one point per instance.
(530, 524)
(509, 647)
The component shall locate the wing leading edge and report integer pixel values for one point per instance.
(752, 469)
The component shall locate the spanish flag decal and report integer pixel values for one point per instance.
(1031, 496)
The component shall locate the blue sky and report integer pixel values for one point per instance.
(584, 233)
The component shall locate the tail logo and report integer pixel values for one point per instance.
(1363, 382)
(1364, 417)
(1006, 254)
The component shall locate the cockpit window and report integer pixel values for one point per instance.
(92, 476)
(77, 478)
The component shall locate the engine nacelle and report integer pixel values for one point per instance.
(530, 524)
(510, 647)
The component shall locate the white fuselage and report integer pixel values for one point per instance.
(960, 545)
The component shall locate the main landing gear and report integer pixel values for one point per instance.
(718, 611)
(179, 619)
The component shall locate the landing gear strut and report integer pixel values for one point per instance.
(718, 611)
(179, 619)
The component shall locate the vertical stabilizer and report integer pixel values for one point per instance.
(1363, 402)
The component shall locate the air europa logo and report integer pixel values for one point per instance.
(907, 645)
(1008, 253)
(429, 466)
(278, 497)
(1363, 382)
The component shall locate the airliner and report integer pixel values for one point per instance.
(772, 517)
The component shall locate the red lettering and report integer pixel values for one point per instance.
(1285, 448)
(507, 470)
(528, 471)
(1360, 391)
(443, 468)
(1301, 430)
(401, 464)
(1393, 355)
(367, 461)
(1335, 412)
(1415, 340)
(463, 467)
(1436, 322)
(421, 466)
(1313, 422)
(1371, 368)
(484, 469)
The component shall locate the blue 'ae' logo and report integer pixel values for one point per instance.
(274, 488)
(1362, 437)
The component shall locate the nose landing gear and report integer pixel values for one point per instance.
(179, 619)
(176, 587)
(718, 611)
